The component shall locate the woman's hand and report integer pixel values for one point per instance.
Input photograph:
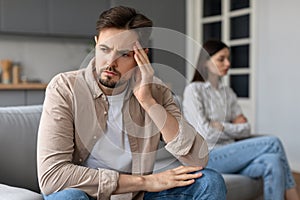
(216, 125)
(239, 119)
(143, 76)
(177, 177)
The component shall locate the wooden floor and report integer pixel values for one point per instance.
(297, 179)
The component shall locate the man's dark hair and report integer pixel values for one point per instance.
(122, 17)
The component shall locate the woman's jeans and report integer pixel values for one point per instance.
(256, 157)
(210, 186)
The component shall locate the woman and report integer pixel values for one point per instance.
(212, 108)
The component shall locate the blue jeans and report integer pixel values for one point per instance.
(68, 194)
(256, 157)
(210, 186)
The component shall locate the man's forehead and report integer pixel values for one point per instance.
(118, 45)
(120, 39)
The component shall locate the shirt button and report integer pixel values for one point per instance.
(105, 113)
(95, 137)
(80, 160)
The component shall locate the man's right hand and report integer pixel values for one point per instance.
(177, 177)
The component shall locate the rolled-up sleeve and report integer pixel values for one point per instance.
(237, 131)
(189, 147)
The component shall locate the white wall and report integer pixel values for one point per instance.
(42, 58)
(278, 73)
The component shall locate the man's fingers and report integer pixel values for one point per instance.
(186, 169)
(185, 177)
(140, 54)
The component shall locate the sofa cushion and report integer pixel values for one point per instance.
(14, 193)
(242, 187)
(18, 138)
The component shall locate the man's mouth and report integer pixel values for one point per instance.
(110, 73)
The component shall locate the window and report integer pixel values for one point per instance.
(232, 22)
(212, 30)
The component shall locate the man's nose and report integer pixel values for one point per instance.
(112, 58)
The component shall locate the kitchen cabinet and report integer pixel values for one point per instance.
(21, 97)
(12, 98)
(22, 94)
(75, 18)
(65, 18)
(34, 97)
(26, 16)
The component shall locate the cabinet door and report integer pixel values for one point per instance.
(26, 16)
(75, 17)
(35, 97)
(12, 98)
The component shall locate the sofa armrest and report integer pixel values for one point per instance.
(18, 138)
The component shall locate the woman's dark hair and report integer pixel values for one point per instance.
(122, 17)
(209, 48)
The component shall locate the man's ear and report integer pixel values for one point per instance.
(147, 50)
(96, 39)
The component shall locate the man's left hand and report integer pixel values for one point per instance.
(143, 76)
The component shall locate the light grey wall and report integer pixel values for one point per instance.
(42, 58)
(278, 73)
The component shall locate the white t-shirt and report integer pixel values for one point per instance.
(113, 150)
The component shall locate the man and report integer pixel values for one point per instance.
(101, 126)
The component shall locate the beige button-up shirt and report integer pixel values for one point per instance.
(73, 119)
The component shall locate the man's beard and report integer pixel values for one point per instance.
(112, 84)
(107, 82)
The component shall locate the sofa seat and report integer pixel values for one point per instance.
(17, 193)
(242, 187)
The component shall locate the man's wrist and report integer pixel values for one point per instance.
(142, 182)
(147, 104)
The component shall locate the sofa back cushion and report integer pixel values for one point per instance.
(18, 142)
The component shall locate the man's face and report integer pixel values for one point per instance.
(114, 56)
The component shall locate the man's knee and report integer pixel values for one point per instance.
(212, 184)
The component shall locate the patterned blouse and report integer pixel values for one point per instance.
(203, 103)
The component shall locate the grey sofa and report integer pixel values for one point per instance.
(18, 137)
(18, 173)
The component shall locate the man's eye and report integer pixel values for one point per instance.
(104, 49)
(125, 54)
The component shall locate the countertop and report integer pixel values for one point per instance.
(23, 86)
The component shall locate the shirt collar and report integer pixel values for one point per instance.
(91, 81)
(207, 84)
